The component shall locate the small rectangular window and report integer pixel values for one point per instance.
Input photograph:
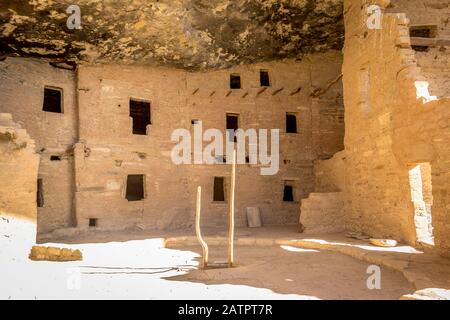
(235, 81)
(40, 193)
(288, 193)
(264, 78)
(55, 158)
(52, 100)
(219, 189)
(232, 125)
(232, 121)
(140, 112)
(423, 31)
(93, 222)
(420, 48)
(135, 187)
(291, 123)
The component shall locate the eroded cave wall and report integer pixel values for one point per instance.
(187, 34)
(391, 125)
(22, 83)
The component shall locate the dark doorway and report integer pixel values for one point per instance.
(235, 81)
(264, 78)
(423, 31)
(140, 112)
(288, 193)
(52, 100)
(219, 189)
(135, 187)
(291, 123)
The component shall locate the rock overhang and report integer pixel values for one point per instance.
(187, 34)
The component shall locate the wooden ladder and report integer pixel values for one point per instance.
(205, 255)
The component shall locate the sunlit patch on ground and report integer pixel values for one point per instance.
(144, 269)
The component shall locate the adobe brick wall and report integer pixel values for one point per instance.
(388, 129)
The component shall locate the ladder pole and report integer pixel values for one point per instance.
(231, 232)
(198, 230)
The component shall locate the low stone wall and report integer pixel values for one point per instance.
(323, 213)
(330, 174)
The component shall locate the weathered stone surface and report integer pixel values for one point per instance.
(191, 34)
(18, 170)
(394, 122)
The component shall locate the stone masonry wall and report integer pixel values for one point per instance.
(22, 83)
(330, 174)
(97, 149)
(177, 98)
(434, 61)
(323, 213)
(19, 164)
(392, 123)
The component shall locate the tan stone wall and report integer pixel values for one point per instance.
(388, 128)
(22, 83)
(434, 63)
(18, 171)
(323, 213)
(177, 98)
(93, 137)
(330, 174)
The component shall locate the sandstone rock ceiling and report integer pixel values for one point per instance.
(189, 34)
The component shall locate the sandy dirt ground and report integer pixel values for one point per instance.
(144, 269)
(312, 274)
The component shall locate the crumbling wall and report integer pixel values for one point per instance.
(323, 213)
(330, 174)
(22, 83)
(18, 176)
(392, 122)
(432, 52)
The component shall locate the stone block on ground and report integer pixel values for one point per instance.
(323, 213)
(39, 253)
(254, 217)
(386, 243)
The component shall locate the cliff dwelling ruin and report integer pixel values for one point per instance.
(313, 137)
